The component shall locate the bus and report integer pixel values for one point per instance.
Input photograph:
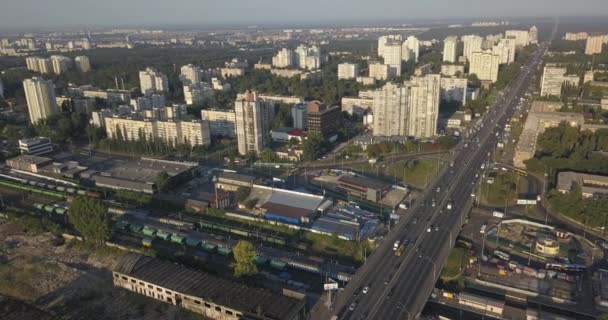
(571, 267)
(502, 255)
(520, 172)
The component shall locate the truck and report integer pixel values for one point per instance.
(498, 214)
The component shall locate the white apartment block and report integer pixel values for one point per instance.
(392, 57)
(348, 71)
(382, 41)
(522, 37)
(195, 133)
(299, 114)
(283, 59)
(594, 44)
(40, 97)
(572, 36)
(505, 48)
(450, 49)
(308, 58)
(357, 105)
(221, 122)
(485, 65)
(413, 45)
(471, 43)
(197, 92)
(410, 109)
(190, 74)
(61, 64)
(454, 89)
(82, 64)
(253, 119)
(554, 78)
(152, 81)
(378, 71)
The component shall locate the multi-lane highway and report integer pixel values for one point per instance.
(396, 287)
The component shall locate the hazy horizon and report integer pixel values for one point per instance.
(69, 13)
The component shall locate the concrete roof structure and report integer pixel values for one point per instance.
(590, 184)
(542, 115)
(234, 295)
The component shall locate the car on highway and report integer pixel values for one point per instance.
(449, 206)
(365, 289)
(428, 229)
(352, 306)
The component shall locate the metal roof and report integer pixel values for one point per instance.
(231, 294)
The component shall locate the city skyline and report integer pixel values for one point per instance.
(64, 13)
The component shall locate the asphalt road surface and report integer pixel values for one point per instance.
(399, 286)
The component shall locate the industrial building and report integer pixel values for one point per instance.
(35, 146)
(231, 181)
(200, 292)
(590, 184)
(481, 303)
(362, 187)
(286, 206)
(542, 115)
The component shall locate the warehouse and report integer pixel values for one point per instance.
(363, 188)
(203, 293)
(286, 206)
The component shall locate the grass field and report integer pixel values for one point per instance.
(503, 190)
(455, 264)
(417, 173)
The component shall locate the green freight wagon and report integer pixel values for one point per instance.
(277, 264)
(39, 206)
(209, 247)
(135, 228)
(49, 208)
(260, 260)
(121, 225)
(178, 239)
(60, 210)
(224, 251)
(149, 232)
(239, 232)
(163, 235)
(192, 242)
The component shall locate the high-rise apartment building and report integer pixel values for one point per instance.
(299, 114)
(424, 105)
(190, 74)
(533, 35)
(505, 48)
(522, 37)
(392, 57)
(382, 41)
(197, 92)
(594, 44)
(61, 64)
(410, 109)
(471, 43)
(322, 118)
(152, 81)
(413, 45)
(283, 58)
(82, 64)
(454, 89)
(554, 78)
(253, 119)
(485, 65)
(450, 49)
(348, 71)
(378, 71)
(308, 57)
(221, 122)
(40, 96)
(194, 133)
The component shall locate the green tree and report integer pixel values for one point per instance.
(244, 255)
(90, 217)
(314, 146)
(242, 193)
(163, 180)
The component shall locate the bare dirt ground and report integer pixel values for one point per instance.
(69, 281)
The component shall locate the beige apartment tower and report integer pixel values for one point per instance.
(40, 96)
(485, 65)
(253, 117)
(594, 44)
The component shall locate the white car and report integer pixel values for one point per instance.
(365, 290)
(428, 229)
(449, 206)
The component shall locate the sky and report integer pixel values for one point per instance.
(60, 13)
